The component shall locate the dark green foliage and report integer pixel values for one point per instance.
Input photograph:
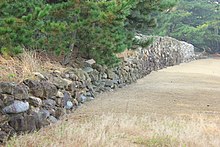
(98, 29)
(193, 21)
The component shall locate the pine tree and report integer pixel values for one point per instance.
(98, 29)
(193, 21)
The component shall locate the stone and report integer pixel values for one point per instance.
(67, 75)
(20, 92)
(35, 101)
(3, 118)
(82, 98)
(76, 103)
(59, 102)
(27, 123)
(109, 83)
(68, 105)
(7, 128)
(90, 98)
(3, 137)
(49, 103)
(94, 75)
(110, 74)
(57, 72)
(50, 90)
(43, 114)
(98, 67)
(39, 76)
(52, 119)
(89, 63)
(59, 82)
(127, 68)
(59, 94)
(6, 88)
(80, 74)
(67, 97)
(1, 104)
(16, 107)
(60, 112)
(36, 88)
(88, 69)
(73, 76)
(104, 76)
(7, 99)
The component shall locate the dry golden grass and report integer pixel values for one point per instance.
(18, 68)
(21, 67)
(111, 130)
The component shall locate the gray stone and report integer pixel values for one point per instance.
(57, 72)
(94, 76)
(1, 104)
(36, 88)
(83, 98)
(3, 137)
(7, 128)
(88, 69)
(7, 99)
(108, 89)
(127, 68)
(68, 105)
(109, 83)
(67, 76)
(89, 63)
(49, 103)
(67, 97)
(16, 107)
(59, 94)
(76, 103)
(3, 118)
(52, 119)
(98, 67)
(104, 76)
(6, 88)
(61, 83)
(73, 76)
(110, 74)
(27, 123)
(35, 101)
(60, 112)
(20, 92)
(90, 98)
(80, 74)
(43, 114)
(50, 90)
(41, 89)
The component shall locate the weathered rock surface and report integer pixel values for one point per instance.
(16, 107)
(35, 101)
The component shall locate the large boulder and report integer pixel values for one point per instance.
(20, 92)
(26, 123)
(16, 107)
(36, 88)
(41, 89)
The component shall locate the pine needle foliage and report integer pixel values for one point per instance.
(98, 29)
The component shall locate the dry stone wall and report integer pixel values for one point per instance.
(32, 104)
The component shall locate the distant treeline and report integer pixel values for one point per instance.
(193, 21)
